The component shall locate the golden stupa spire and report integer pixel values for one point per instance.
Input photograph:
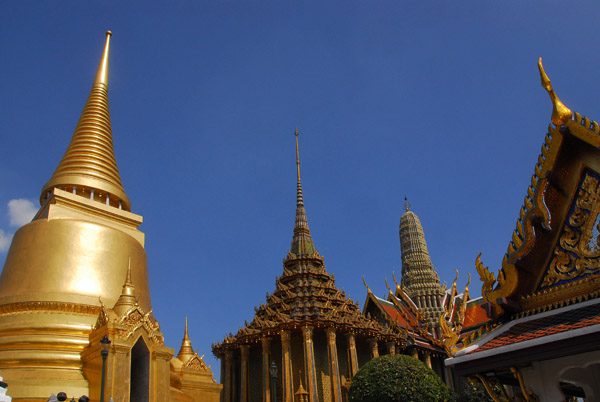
(127, 299)
(186, 352)
(560, 113)
(89, 167)
(302, 243)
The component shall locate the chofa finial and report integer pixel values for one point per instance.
(560, 113)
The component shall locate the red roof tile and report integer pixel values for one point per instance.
(475, 315)
(549, 325)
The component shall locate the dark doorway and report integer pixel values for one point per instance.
(140, 372)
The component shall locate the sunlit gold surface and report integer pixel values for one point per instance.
(69, 262)
(89, 162)
(73, 261)
(560, 113)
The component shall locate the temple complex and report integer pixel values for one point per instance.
(78, 272)
(542, 342)
(398, 310)
(308, 328)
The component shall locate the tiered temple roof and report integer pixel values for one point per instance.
(543, 302)
(306, 294)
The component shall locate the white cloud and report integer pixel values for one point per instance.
(21, 211)
(5, 239)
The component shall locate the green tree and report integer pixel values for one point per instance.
(397, 378)
(471, 393)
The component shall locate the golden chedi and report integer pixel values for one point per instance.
(77, 272)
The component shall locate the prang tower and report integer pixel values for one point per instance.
(419, 279)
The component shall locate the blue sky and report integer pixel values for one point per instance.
(438, 101)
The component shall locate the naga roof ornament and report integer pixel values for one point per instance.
(560, 113)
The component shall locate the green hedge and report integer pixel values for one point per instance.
(395, 378)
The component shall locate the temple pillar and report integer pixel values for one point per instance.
(415, 354)
(245, 350)
(223, 366)
(286, 364)
(309, 363)
(334, 370)
(352, 357)
(227, 385)
(374, 347)
(391, 347)
(266, 352)
(428, 360)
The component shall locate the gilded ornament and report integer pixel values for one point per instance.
(577, 253)
(560, 113)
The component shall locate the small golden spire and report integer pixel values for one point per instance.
(388, 286)
(186, 352)
(297, 154)
(367, 286)
(302, 244)
(406, 204)
(560, 113)
(127, 299)
(102, 74)
(396, 282)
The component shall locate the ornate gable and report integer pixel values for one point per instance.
(553, 257)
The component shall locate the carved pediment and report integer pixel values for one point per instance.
(196, 363)
(577, 254)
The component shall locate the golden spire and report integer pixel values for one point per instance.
(398, 288)
(367, 286)
(302, 243)
(406, 204)
(127, 298)
(186, 352)
(89, 167)
(560, 113)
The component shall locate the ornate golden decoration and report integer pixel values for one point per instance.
(136, 318)
(449, 336)
(527, 393)
(481, 331)
(400, 294)
(584, 289)
(46, 306)
(560, 113)
(488, 384)
(578, 251)
(451, 329)
(89, 162)
(488, 278)
(196, 363)
(102, 317)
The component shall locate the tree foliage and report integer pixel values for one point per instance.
(395, 378)
(471, 393)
